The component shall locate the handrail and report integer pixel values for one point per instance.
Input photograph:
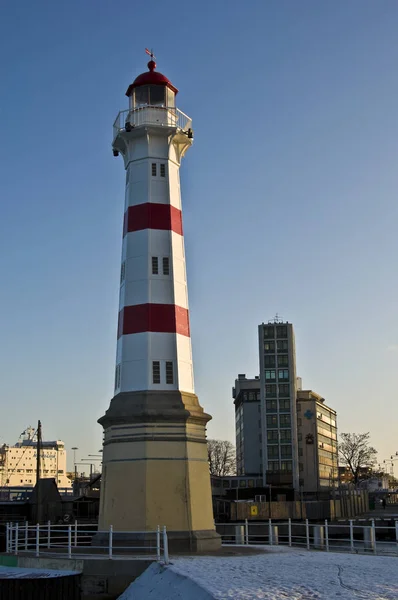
(160, 116)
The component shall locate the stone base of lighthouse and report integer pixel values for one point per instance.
(155, 471)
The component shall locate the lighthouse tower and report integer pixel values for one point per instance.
(155, 469)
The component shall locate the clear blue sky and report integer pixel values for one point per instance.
(289, 193)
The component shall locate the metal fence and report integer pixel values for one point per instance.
(337, 537)
(151, 115)
(78, 541)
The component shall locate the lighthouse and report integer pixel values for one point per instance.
(155, 468)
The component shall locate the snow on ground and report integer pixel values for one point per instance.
(273, 574)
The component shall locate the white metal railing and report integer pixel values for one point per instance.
(76, 540)
(350, 537)
(151, 115)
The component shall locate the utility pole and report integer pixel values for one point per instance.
(38, 465)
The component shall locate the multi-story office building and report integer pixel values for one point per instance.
(278, 387)
(18, 463)
(317, 442)
(246, 394)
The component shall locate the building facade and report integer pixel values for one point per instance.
(317, 442)
(247, 400)
(18, 463)
(278, 388)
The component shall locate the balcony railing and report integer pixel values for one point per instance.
(151, 115)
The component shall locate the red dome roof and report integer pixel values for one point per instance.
(151, 77)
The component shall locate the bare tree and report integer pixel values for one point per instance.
(357, 453)
(222, 459)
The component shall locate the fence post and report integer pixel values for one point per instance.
(7, 537)
(307, 533)
(165, 546)
(69, 541)
(246, 532)
(16, 536)
(270, 532)
(327, 535)
(374, 536)
(351, 536)
(37, 539)
(75, 536)
(48, 534)
(110, 540)
(158, 543)
(290, 532)
(26, 535)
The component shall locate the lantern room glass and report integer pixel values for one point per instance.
(152, 95)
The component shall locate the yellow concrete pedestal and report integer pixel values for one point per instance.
(155, 469)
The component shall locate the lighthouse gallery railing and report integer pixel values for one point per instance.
(151, 115)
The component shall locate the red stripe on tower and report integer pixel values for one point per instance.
(152, 216)
(156, 318)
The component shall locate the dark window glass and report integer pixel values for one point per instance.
(281, 331)
(155, 265)
(284, 420)
(154, 170)
(269, 347)
(270, 390)
(286, 451)
(166, 265)
(272, 421)
(284, 404)
(284, 389)
(141, 95)
(286, 465)
(285, 435)
(272, 437)
(156, 371)
(271, 405)
(269, 332)
(122, 272)
(169, 372)
(269, 360)
(273, 451)
(162, 170)
(273, 466)
(282, 345)
(157, 95)
(283, 360)
(270, 375)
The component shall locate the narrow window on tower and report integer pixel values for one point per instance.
(166, 265)
(162, 170)
(169, 372)
(117, 377)
(154, 169)
(122, 272)
(155, 265)
(156, 371)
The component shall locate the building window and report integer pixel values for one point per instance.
(270, 391)
(299, 437)
(286, 465)
(284, 404)
(284, 389)
(154, 170)
(283, 360)
(269, 360)
(169, 372)
(273, 451)
(281, 331)
(284, 420)
(166, 265)
(269, 332)
(270, 375)
(122, 272)
(272, 437)
(273, 466)
(272, 421)
(271, 405)
(285, 435)
(300, 452)
(283, 374)
(269, 347)
(117, 377)
(301, 467)
(286, 451)
(155, 265)
(299, 423)
(156, 371)
(282, 345)
(162, 170)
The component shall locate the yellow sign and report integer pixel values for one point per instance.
(253, 511)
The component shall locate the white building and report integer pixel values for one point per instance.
(18, 463)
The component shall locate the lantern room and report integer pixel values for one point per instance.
(151, 89)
